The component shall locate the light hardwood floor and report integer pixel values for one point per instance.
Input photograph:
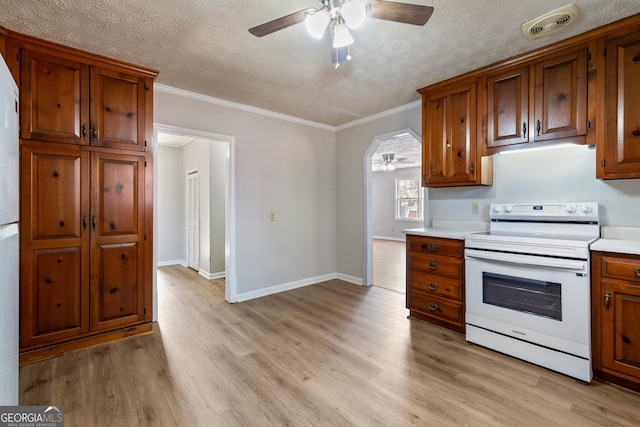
(332, 354)
(389, 265)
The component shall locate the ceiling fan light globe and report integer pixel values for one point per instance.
(341, 35)
(353, 12)
(316, 23)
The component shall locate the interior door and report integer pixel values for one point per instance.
(193, 221)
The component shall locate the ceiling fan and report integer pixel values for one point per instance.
(340, 16)
(388, 161)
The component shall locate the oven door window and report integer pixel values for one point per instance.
(525, 295)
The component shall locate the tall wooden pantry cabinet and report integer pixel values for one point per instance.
(86, 196)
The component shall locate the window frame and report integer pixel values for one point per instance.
(397, 200)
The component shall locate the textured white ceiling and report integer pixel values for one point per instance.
(204, 46)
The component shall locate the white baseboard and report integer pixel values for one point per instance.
(172, 262)
(350, 279)
(397, 239)
(211, 276)
(284, 287)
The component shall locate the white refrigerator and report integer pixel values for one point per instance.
(9, 158)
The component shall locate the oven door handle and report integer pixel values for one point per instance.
(534, 261)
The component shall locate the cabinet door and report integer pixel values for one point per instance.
(622, 135)
(621, 327)
(449, 136)
(117, 109)
(117, 275)
(508, 107)
(561, 97)
(54, 99)
(54, 245)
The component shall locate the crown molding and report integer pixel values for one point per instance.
(237, 106)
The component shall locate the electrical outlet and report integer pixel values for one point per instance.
(475, 208)
(272, 216)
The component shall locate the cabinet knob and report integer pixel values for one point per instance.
(84, 132)
(538, 127)
(607, 300)
(636, 58)
(432, 306)
(433, 286)
(433, 265)
(433, 247)
(637, 271)
(635, 133)
(524, 130)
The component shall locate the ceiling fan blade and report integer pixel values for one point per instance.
(280, 23)
(400, 12)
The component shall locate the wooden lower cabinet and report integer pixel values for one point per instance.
(616, 318)
(435, 281)
(82, 260)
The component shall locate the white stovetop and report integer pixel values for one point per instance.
(624, 240)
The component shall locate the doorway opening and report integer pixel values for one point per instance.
(194, 221)
(392, 165)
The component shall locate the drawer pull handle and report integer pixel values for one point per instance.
(637, 271)
(433, 247)
(635, 133)
(607, 300)
(524, 130)
(432, 306)
(538, 127)
(433, 286)
(433, 265)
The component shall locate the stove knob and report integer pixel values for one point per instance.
(586, 209)
(497, 209)
(508, 208)
(570, 208)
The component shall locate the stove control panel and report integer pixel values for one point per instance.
(556, 212)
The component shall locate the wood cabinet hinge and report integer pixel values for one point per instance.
(588, 56)
(145, 237)
(603, 162)
(604, 52)
(145, 163)
(473, 168)
(588, 124)
(146, 87)
(145, 310)
(19, 57)
(145, 142)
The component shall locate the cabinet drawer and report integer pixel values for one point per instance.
(439, 308)
(617, 267)
(434, 245)
(441, 266)
(434, 285)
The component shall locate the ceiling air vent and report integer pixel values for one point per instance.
(550, 22)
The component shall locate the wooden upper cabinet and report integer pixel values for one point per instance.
(117, 109)
(539, 101)
(449, 136)
(68, 101)
(618, 154)
(508, 107)
(54, 99)
(560, 97)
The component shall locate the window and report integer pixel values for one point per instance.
(409, 203)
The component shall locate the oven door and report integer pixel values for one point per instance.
(542, 300)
